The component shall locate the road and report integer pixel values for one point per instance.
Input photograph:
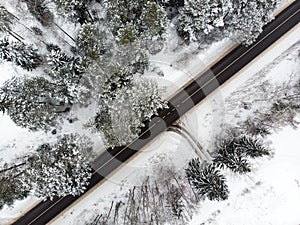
(184, 100)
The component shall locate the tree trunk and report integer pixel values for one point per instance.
(64, 32)
(16, 36)
(12, 167)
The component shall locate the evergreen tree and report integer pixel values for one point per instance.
(107, 76)
(133, 21)
(154, 22)
(6, 19)
(20, 54)
(145, 98)
(133, 57)
(251, 147)
(61, 168)
(207, 180)
(122, 115)
(245, 19)
(197, 19)
(39, 9)
(57, 59)
(228, 155)
(11, 184)
(75, 10)
(208, 20)
(34, 103)
(93, 41)
(117, 78)
(127, 34)
(70, 72)
(233, 153)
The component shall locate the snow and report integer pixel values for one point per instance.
(268, 195)
(271, 193)
(8, 214)
(15, 141)
(168, 150)
(179, 66)
(15, 138)
(206, 120)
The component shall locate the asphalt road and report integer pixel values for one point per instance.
(179, 104)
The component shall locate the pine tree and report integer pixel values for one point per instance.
(154, 23)
(70, 72)
(20, 54)
(250, 146)
(117, 78)
(197, 19)
(117, 73)
(127, 34)
(133, 21)
(57, 59)
(11, 184)
(245, 19)
(233, 153)
(208, 20)
(121, 115)
(228, 155)
(93, 41)
(61, 168)
(109, 74)
(34, 103)
(145, 99)
(39, 9)
(75, 10)
(133, 57)
(207, 180)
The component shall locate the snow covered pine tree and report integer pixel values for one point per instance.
(197, 19)
(11, 184)
(34, 103)
(75, 10)
(233, 153)
(245, 19)
(122, 115)
(207, 180)
(20, 54)
(61, 168)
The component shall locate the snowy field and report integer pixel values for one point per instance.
(268, 195)
(179, 66)
(17, 141)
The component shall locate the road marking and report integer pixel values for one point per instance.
(122, 150)
(230, 48)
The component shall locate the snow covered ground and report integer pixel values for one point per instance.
(270, 194)
(16, 141)
(225, 105)
(178, 67)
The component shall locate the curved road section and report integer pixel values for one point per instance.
(185, 99)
